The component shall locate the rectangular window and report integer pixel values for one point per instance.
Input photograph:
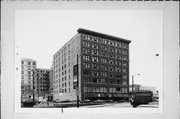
(104, 40)
(22, 62)
(111, 68)
(118, 69)
(103, 67)
(86, 65)
(86, 43)
(111, 75)
(95, 45)
(111, 61)
(124, 76)
(118, 50)
(86, 72)
(125, 51)
(94, 80)
(86, 57)
(104, 53)
(103, 60)
(86, 50)
(118, 62)
(95, 52)
(111, 54)
(95, 73)
(103, 74)
(124, 70)
(124, 63)
(95, 59)
(111, 49)
(103, 47)
(95, 66)
(94, 38)
(111, 42)
(29, 63)
(118, 56)
(87, 79)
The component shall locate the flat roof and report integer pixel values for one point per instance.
(81, 30)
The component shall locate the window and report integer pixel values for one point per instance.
(86, 72)
(87, 79)
(119, 82)
(102, 81)
(103, 74)
(103, 47)
(111, 42)
(95, 66)
(86, 50)
(124, 76)
(29, 63)
(118, 62)
(118, 76)
(125, 51)
(118, 56)
(22, 62)
(103, 67)
(118, 44)
(111, 75)
(22, 72)
(86, 65)
(103, 60)
(94, 38)
(111, 61)
(95, 45)
(94, 80)
(124, 45)
(124, 63)
(118, 89)
(124, 70)
(95, 73)
(95, 59)
(118, 50)
(118, 69)
(111, 68)
(104, 40)
(95, 52)
(86, 57)
(86, 43)
(34, 63)
(111, 49)
(104, 53)
(111, 55)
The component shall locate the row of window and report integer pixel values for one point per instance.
(105, 81)
(111, 49)
(102, 40)
(105, 89)
(103, 53)
(87, 65)
(103, 74)
(103, 59)
(28, 63)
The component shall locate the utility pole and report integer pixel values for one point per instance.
(77, 88)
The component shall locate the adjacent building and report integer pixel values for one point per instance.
(41, 78)
(27, 66)
(103, 67)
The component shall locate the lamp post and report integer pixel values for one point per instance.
(133, 82)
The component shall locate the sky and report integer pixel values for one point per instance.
(41, 33)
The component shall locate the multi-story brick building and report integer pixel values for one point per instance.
(103, 67)
(27, 65)
(41, 83)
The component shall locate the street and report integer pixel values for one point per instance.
(122, 105)
(96, 105)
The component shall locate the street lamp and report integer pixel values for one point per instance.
(133, 82)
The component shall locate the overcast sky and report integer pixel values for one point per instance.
(39, 34)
